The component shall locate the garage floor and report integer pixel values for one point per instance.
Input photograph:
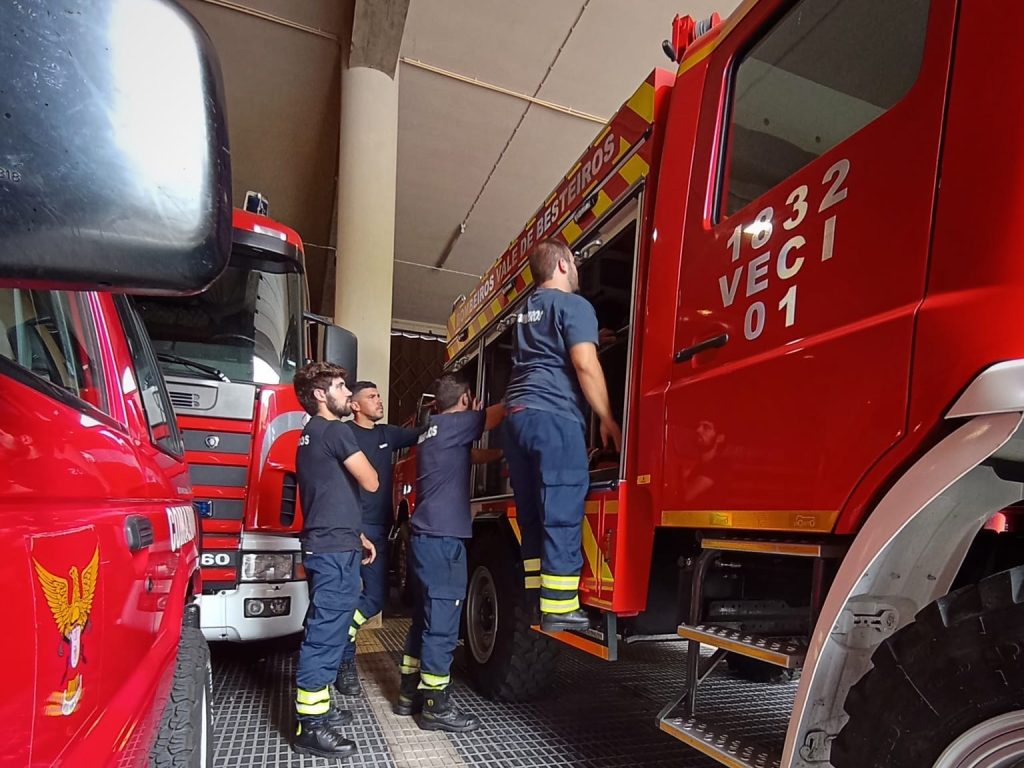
(599, 714)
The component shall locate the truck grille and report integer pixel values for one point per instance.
(180, 399)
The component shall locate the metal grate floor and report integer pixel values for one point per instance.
(600, 714)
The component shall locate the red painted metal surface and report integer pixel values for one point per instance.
(89, 688)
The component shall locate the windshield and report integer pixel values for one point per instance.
(247, 325)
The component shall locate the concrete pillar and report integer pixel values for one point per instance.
(365, 263)
(367, 167)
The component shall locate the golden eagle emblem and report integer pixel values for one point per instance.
(70, 601)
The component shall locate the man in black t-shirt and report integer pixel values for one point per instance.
(377, 442)
(555, 368)
(330, 469)
(441, 522)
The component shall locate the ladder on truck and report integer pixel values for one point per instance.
(680, 717)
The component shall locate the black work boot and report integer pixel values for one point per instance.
(347, 681)
(338, 718)
(560, 622)
(439, 714)
(410, 698)
(321, 740)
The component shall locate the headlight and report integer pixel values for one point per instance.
(268, 567)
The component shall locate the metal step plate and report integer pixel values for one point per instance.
(783, 652)
(774, 547)
(730, 751)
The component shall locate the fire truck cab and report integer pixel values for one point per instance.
(232, 392)
(107, 187)
(809, 300)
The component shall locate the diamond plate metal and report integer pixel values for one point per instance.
(785, 652)
(724, 747)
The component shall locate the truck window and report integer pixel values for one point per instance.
(606, 280)
(163, 429)
(820, 74)
(51, 335)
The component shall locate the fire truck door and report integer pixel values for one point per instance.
(815, 178)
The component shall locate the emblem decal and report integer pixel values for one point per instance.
(212, 441)
(70, 600)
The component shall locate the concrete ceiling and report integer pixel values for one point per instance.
(467, 154)
(473, 155)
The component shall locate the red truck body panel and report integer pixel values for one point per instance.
(73, 475)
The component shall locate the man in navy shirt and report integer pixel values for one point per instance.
(554, 369)
(441, 523)
(377, 442)
(330, 469)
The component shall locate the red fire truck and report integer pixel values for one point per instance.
(809, 281)
(105, 184)
(228, 355)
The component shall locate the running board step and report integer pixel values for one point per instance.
(783, 652)
(774, 547)
(731, 751)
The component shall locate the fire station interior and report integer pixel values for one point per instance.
(382, 168)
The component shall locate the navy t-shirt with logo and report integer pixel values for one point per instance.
(377, 443)
(443, 459)
(543, 376)
(329, 495)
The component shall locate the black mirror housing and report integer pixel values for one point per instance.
(114, 161)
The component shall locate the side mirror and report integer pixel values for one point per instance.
(341, 348)
(114, 162)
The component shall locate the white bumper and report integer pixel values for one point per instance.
(222, 616)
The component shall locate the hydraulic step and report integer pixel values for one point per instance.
(731, 751)
(783, 652)
(774, 547)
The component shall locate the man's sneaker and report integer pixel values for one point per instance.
(338, 718)
(410, 698)
(439, 714)
(321, 740)
(560, 622)
(347, 681)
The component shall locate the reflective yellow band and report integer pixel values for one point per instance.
(564, 583)
(358, 618)
(313, 709)
(352, 632)
(559, 606)
(533, 564)
(435, 682)
(409, 666)
(532, 582)
(312, 697)
(313, 702)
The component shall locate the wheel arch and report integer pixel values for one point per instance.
(906, 555)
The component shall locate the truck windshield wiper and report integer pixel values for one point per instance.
(166, 357)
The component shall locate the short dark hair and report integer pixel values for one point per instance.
(544, 259)
(359, 386)
(448, 390)
(312, 377)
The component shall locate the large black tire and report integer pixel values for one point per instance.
(405, 577)
(521, 663)
(960, 663)
(185, 738)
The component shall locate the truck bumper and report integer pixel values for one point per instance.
(222, 615)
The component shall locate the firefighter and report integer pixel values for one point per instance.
(441, 524)
(330, 469)
(377, 442)
(554, 368)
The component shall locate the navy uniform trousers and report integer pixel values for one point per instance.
(333, 594)
(375, 588)
(547, 463)
(439, 563)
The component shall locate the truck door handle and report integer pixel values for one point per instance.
(714, 342)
